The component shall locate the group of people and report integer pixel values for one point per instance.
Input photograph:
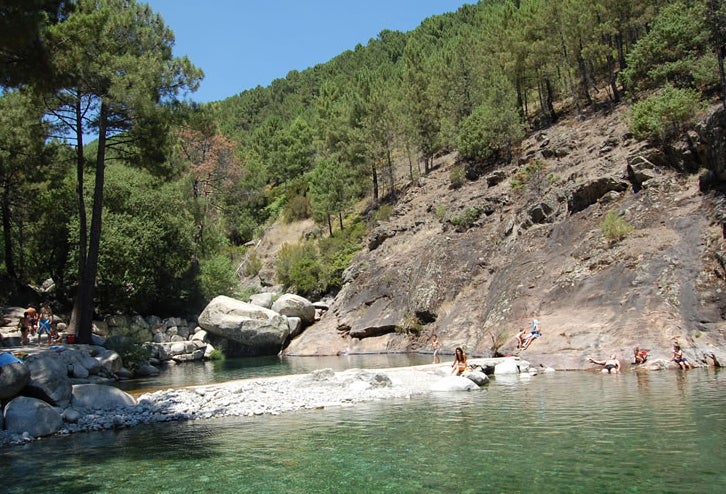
(640, 356)
(524, 339)
(38, 322)
(610, 365)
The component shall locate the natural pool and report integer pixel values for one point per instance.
(561, 432)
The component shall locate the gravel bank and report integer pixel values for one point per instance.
(275, 395)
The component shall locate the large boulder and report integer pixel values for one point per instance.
(49, 379)
(109, 360)
(262, 299)
(135, 327)
(292, 305)
(253, 330)
(31, 415)
(14, 375)
(99, 397)
(506, 366)
(454, 383)
(79, 362)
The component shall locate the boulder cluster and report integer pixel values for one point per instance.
(64, 387)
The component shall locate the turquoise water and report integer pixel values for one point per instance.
(195, 373)
(656, 432)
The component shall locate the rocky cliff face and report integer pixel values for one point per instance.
(475, 264)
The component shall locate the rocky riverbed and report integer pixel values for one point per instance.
(276, 395)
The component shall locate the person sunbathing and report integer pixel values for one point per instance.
(610, 366)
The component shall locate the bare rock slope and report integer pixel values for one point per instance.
(476, 263)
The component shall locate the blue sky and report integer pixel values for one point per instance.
(240, 44)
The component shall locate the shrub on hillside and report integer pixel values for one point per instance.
(664, 115)
(614, 227)
(457, 177)
(314, 268)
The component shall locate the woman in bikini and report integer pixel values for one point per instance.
(459, 365)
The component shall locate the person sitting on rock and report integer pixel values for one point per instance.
(459, 365)
(639, 356)
(520, 337)
(679, 358)
(534, 333)
(610, 366)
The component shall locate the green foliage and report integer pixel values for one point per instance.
(314, 268)
(467, 218)
(675, 51)
(330, 188)
(494, 126)
(297, 204)
(665, 114)
(146, 243)
(410, 324)
(383, 213)
(532, 177)
(217, 355)
(132, 352)
(217, 276)
(614, 227)
(311, 143)
(253, 264)
(298, 268)
(457, 177)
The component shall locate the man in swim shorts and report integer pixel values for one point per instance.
(609, 366)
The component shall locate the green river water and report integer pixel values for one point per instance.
(656, 432)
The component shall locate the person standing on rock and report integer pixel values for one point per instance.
(24, 326)
(437, 347)
(32, 316)
(45, 322)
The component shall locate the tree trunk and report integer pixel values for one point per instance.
(550, 102)
(582, 67)
(73, 323)
(720, 51)
(390, 171)
(83, 305)
(340, 220)
(7, 234)
(374, 174)
(330, 225)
